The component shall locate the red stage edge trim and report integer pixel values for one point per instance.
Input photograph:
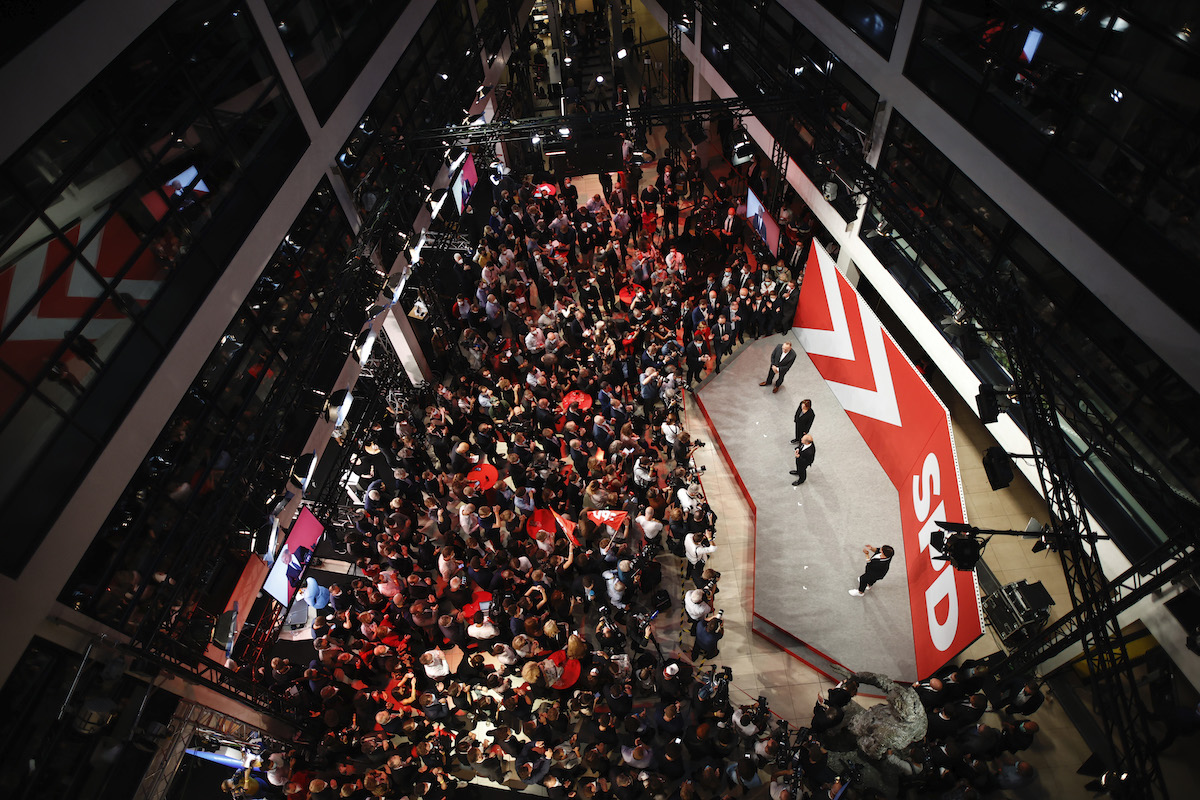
(712, 429)
(815, 669)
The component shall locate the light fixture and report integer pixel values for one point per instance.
(622, 53)
(1116, 95)
(599, 79)
(536, 139)
(568, 60)
(1119, 25)
(798, 70)
(1184, 34)
(564, 131)
(443, 76)
(725, 47)
(962, 549)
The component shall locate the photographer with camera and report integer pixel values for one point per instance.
(708, 637)
(684, 449)
(697, 547)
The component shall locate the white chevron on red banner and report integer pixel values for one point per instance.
(856, 337)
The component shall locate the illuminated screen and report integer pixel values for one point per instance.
(762, 223)
(464, 184)
(180, 192)
(288, 569)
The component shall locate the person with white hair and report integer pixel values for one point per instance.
(696, 604)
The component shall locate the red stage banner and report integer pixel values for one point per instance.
(908, 429)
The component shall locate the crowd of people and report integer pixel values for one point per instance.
(514, 528)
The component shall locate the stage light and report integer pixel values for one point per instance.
(443, 76)
(536, 139)
(564, 131)
(991, 401)
(567, 60)
(303, 469)
(622, 53)
(725, 47)
(997, 468)
(798, 71)
(599, 79)
(962, 550)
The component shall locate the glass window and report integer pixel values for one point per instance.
(1122, 402)
(329, 42)
(1075, 98)
(118, 216)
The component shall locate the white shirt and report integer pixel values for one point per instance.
(695, 610)
(695, 553)
(439, 668)
(671, 432)
(651, 528)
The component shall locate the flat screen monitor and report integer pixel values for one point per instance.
(762, 222)
(288, 569)
(464, 184)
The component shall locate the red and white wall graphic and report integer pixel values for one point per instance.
(908, 429)
(71, 296)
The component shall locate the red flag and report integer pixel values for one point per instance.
(613, 519)
(541, 519)
(567, 526)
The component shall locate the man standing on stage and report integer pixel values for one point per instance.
(804, 419)
(806, 453)
(879, 561)
(782, 359)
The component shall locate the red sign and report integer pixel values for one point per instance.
(908, 429)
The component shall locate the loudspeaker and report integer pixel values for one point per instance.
(998, 468)
(987, 403)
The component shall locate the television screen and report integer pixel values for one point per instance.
(180, 192)
(288, 569)
(762, 222)
(464, 184)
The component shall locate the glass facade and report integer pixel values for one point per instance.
(873, 20)
(825, 137)
(329, 42)
(415, 96)
(115, 220)
(1130, 415)
(1094, 105)
(205, 488)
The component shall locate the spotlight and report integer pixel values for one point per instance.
(564, 131)
(962, 550)
(798, 71)
(622, 53)
(536, 139)
(568, 60)
(991, 401)
(443, 76)
(599, 79)
(725, 47)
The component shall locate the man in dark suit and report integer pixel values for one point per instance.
(695, 356)
(723, 340)
(806, 453)
(879, 561)
(731, 230)
(782, 358)
(804, 419)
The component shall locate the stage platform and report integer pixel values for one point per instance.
(809, 538)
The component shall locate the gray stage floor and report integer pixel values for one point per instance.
(809, 539)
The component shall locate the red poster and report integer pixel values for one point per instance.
(908, 429)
